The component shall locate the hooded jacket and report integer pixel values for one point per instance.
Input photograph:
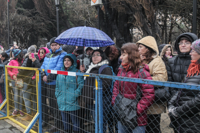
(13, 71)
(156, 66)
(128, 90)
(52, 61)
(157, 71)
(187, 103)
(68, 88)
(178, 65)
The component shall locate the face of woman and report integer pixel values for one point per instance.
(124, 57)
(96, 57)
(194, 55)
(42, 53)
(142, 49)
(168, 52)
(67, 63)
(2, 58)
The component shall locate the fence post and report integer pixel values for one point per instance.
(96, 106)
(40, 102)
(100, 105)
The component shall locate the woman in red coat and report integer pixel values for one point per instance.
(130, 67)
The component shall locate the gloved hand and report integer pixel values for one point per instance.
(173, 111)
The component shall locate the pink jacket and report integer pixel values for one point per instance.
(128, 90)
(13, 71)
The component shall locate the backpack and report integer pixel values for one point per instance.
(113, 74)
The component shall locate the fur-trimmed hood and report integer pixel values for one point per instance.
(165, 49)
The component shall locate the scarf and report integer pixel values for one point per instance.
(126, 66)
(193, 68)
(96, 65)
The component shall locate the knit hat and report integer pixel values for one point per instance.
(31, 49)
(16, 52)
(34, 46)
(52, 40)
(196, 46)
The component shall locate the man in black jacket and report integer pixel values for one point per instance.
(178, 65)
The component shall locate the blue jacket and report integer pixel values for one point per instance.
(52, 61)
(68, 88)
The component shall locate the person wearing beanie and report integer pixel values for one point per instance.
(184, 106)
(34, 46)
(69, 88)
(31, 49)
(149, 54)
(52, 61)
(13, 74)
(16, 52)
(97, 60)
(178, 65)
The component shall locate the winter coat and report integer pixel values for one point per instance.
(178, 65)
(163, 51)
(5, 62)
(128, 90)
(188, 107)
(157, 71)
(89, 85)
(68, 88)
(52, 61)
(13, 71)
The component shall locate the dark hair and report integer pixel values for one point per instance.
(103, 55)
(133, 56)
(148, 54)
(112, 50)
(44, 50)
(4, 54)
(19, 58)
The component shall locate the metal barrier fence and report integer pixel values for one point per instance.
(2, 93)
(22, 97)
(80, 102)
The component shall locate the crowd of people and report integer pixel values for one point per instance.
(71, 97)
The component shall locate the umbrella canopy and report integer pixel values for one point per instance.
(84, 36)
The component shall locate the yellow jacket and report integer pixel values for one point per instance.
(157, 70)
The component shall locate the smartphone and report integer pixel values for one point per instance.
(32, 55)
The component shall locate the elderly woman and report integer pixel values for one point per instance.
(184, 105)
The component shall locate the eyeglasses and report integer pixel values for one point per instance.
(96, 55)
(186, 43)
